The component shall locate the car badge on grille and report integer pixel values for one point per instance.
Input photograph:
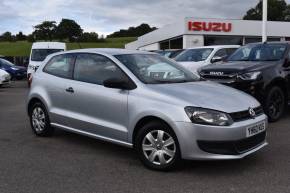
(252, 112)
(216, 73)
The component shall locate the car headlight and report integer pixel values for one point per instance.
(250, 76)
(208, 117)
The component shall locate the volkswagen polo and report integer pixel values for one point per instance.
(120, 96)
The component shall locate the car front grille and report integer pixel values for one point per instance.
(245, 115)
(224, 78)
(232, 147)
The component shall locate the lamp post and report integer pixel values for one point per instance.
(264, 22)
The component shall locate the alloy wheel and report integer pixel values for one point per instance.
(38, 119)
(159, 147)
(276, 104)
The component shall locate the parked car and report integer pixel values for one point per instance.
(39, 51)
(16, 72)
(168, 53)
(194, 58)
(260, 69)
(110, 94)
(4, 78)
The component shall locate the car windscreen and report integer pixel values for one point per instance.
(259, 52)
(175, 53)
(155, 69)
(39, 55)
(194, 55)
(7, 63)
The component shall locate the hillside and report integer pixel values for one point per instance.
(22, 48)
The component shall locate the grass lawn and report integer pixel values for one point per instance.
(23, 48)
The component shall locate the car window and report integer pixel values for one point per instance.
(230, 51)
(60, 65)
(221, 53)
(93, 68)
(39, 55)
(259, 52)
(194, 55)
(6, 63)
(155, 69)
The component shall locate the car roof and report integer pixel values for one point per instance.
(274, 42)
(109, 51)
(48, 45)
(215, 47)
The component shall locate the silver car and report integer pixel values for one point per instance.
(120, 96)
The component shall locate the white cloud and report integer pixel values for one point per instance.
(106, 16)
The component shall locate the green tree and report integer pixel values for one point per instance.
(69, 29)
(287, 13)
(133, 31)
(277, 11)
(89, 37)
(45, 30)
(20, 36)
(7, 36)
(31, 38)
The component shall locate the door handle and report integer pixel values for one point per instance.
(70, 89)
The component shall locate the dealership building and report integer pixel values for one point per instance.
(193, 32)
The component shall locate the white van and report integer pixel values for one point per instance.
(39, 51)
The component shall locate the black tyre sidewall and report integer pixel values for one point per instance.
(156, 125)
(267, 103)
(48, 130)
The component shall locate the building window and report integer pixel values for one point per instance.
(223, 40)
(176, 43)
(259, 39)
(164, 45)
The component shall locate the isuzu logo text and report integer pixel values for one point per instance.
(209, 26)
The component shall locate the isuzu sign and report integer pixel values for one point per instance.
(209, 26)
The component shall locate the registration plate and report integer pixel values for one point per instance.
(256, 129)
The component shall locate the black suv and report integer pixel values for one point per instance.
(260, 69)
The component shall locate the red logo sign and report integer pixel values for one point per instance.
(209, 26)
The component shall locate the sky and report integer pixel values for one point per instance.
(107, 16)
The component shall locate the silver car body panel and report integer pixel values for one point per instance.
(112, 114)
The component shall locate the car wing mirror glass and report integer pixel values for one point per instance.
(119, 84)
(216, 59)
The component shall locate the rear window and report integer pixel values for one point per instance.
(39, 55)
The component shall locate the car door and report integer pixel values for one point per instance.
(96, 109)
(56, 79)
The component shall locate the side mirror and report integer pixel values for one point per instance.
(119, 84)
(216, 59)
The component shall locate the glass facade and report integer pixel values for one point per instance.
(176, 43)
(259, 39)
(223, 40)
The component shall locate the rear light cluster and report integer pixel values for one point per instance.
(29, 79)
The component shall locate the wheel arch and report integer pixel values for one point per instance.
(143, 121)
(280, 82)
(32, 101)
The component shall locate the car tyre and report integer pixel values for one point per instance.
(275, 103)
(39, 120)
(157, 146)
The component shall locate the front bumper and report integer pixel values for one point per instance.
(254, 88)
(190, 135)
(5, 82)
